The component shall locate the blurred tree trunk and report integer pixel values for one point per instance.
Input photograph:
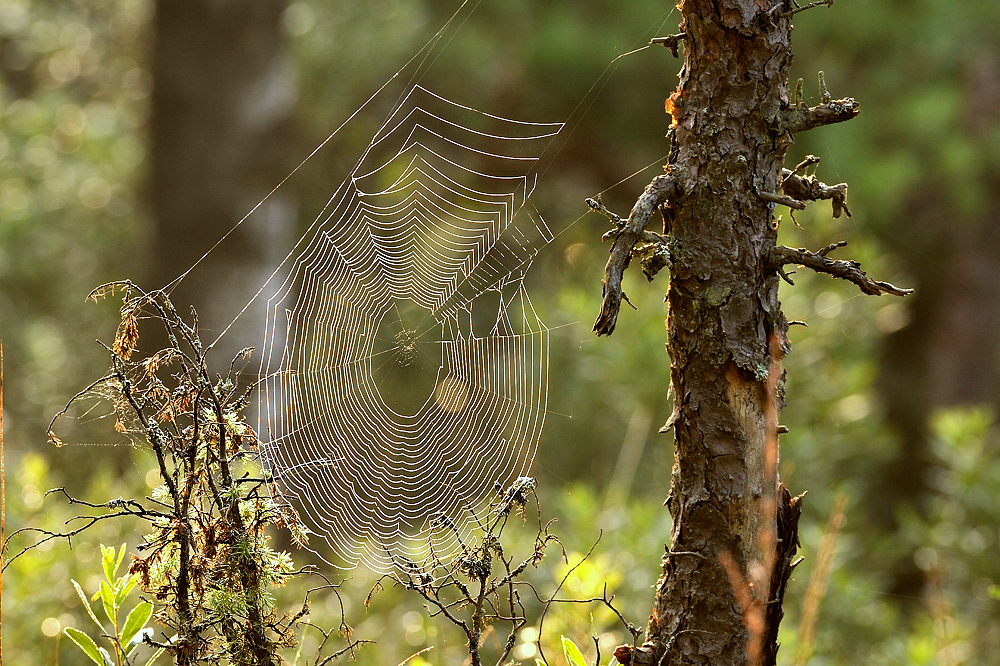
(718, 600)
(948, 353)
(223, 97)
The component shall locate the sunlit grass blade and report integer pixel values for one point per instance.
(818, 580)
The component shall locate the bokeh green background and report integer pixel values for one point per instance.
(892, 402)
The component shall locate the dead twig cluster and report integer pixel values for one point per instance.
(480, 589)
(206, 562)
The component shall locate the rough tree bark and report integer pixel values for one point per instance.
(718, 600)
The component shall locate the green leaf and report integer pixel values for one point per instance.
(135, 621)
(108, 598)
(86, 604)
(86, 644)
(122, 587)
(121, 556)
(108, 561)
(573, 655)
(540, 662)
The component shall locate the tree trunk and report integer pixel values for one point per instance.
(718, 600)
(223, 97)
(723, 310)
(947, 352)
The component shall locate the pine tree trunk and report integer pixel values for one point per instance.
(734, 524)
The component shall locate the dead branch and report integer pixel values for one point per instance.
(659, 191)
(810, 188)
(802, 117)
(811, 5)
(780, 255)
(783, 200)
(670, 41)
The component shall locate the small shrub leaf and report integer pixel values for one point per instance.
(573, 655)
(118, 562)
(135, 621)
(86, 643)
(122, 587)
(108, 562)
(108, 599)
(86, 604)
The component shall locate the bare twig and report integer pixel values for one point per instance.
(844, 269)
(548, 602)
(783, 200)
(811, 5)
(466, 591)
(662, 189)
(818, 581)
(809, 161)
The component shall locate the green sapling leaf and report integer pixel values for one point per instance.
(86, 643)
(135, 621)
(573, 655)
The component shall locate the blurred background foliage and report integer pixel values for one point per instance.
(134, 133)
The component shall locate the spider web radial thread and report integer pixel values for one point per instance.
(406, 371)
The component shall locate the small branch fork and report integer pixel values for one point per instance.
(661, 190)
(780, 256)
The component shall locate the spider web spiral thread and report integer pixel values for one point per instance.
(405, 368)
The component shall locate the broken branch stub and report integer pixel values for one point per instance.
(659, 191)
(809, 188)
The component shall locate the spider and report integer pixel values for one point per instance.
(406, 347)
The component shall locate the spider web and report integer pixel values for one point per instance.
(405, 368)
